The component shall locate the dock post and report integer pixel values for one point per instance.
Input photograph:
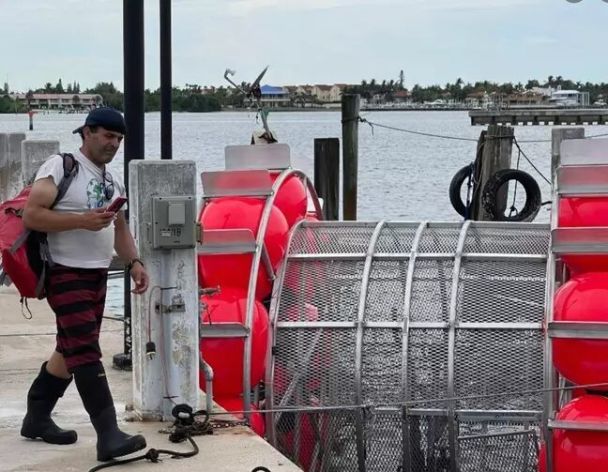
(33, 154)
(495, 156)
(10, 164)
(557, 136)
(327, 175)
(168, 313)
(350, 154)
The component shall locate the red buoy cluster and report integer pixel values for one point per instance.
(231, 273)
(583, 298)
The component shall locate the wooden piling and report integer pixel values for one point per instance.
(327, 175)
(497, 145)
(350, 153)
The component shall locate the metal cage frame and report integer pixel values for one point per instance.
(411, 413)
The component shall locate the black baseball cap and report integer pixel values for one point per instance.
(106, 117)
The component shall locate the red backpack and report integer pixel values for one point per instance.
(25, 253)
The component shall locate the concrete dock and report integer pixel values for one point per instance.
(540, 116)
(25, 344)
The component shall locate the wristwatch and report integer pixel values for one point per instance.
(132, 262)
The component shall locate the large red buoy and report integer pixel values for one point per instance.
(576, 212)
(225, 355)
(291, 198)
(580, 450)
(583, 298)
(233, 270)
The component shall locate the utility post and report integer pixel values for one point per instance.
(350, 153)
(327, 176)
(165, 318)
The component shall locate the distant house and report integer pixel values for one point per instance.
(327, 93)
(402, 96)
(566, 98)
(273, 96)
(60, 101)
(529, 97)
(478, 99)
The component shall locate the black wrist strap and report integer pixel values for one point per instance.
(132, 262)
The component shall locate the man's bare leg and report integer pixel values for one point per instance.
(56, 366)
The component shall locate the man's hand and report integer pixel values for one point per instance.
(98, 219)
(140, 277)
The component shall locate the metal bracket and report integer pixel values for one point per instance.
(177, 305)
(223, 330)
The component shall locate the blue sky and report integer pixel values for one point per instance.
(310, 41)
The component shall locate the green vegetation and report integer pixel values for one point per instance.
(459, 90)
(186, 99)
(195, 98)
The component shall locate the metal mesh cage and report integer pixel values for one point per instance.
(409, 347)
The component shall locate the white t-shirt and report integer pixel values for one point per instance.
(80, 247)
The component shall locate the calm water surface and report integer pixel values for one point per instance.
(401, 176)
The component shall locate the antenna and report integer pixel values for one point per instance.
(253, 91)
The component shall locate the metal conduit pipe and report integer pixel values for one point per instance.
(208, 371)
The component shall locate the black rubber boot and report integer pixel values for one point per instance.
(41, 399)
(95, 393)
(111, 441)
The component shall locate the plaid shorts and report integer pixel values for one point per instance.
(77, 296)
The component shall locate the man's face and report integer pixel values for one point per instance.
(101, 145)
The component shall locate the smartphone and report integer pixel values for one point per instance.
(117, 204)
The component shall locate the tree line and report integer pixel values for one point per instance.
(191, 98)
(459, 90)
(187, 99)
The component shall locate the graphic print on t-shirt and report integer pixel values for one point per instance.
(95, 196)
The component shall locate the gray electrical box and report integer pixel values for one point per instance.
(173, 222)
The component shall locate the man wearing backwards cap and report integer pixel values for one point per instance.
(81, 235)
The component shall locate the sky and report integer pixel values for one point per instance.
(309, 41)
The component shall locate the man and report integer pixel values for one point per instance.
(81, 234)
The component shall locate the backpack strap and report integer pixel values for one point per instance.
(70, 169)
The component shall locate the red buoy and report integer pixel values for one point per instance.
(580, 450)
(577, 212)
(291, 198)
(583, 298)
(225, 355)
(233, 270)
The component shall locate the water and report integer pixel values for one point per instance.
(401, 176)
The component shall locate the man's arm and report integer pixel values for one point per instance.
(38, 216)
(124, 245)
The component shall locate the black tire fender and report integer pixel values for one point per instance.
(455, 187)
(496, 181)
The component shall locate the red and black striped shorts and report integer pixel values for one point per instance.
(77, 296)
